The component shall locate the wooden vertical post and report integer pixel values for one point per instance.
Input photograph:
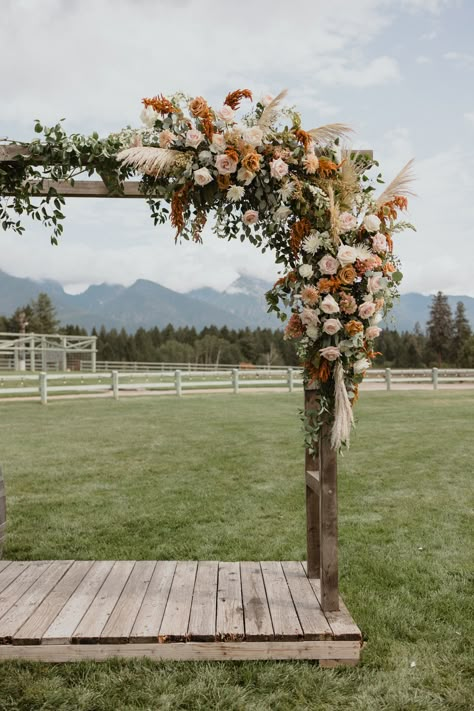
(434, 378)
(43, 388)
(312, 497)
(388, 378)
(177, 382)
(235, 380)
(115, 384)
(290, 380)
(328, 508)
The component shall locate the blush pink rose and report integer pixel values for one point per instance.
(367, 309)
(226, 113)
(372, 332)
(194, 138)
(278, 168)
(346, 254)
(328, 264)
(202, 177)
(373, 283)
(346, 222)
(379, 242)
(330, 353)
(309, 317)
(218, 143)
(250, 217)
(225, 165)
(332, 326)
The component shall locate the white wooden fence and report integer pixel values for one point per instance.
(179, 381)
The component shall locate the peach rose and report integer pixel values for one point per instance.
(251, 162)
(347, 275)
(354, 327)
(198, 107)
(250, 217)
(218, 143)
(372, 332)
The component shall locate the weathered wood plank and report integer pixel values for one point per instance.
(328, 512)
(174, 626)
(150, 615)
(340, 621)
(90, 189)
(26, 605)
(202, 621)
(310, 615)
(257, 618)
(20, 584)
(312, 480)
(187, 651)
(313, 535)
(90, 627)
(4, 564)
(230, 611)
(31, 632)
(120, 622)
(284, 618)
(10, 572)
(62, 628)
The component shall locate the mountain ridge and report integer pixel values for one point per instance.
(147, 304)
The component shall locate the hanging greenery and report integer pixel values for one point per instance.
(266, 180)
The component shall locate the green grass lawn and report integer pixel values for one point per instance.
(221, 477)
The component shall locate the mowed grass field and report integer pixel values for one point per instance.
(221, 477)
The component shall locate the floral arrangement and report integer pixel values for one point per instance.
(269, 181)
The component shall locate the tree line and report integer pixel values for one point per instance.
(447, 341)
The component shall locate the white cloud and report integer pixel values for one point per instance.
(461, 59)
(423, 59)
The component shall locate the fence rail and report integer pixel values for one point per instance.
(178, 381)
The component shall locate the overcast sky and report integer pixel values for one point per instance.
(401, 72)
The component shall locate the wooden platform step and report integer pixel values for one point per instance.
(68, 610)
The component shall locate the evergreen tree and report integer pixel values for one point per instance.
(44, 319)
(462, 333)
(439, 330)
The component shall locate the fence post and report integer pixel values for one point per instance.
(434, 378)
(388, 378)
(115, 384)
(235, 380)
(290, 380)
(43, 388)
(177, 382)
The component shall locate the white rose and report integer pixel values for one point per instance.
(148, 116)
(346, 254)
(202, 176)
(193, 138)
(282, 213)
(306, 271)
(371, 223)
(329, 305)
(253, 136)
(332, 326)
(361, 365)
(226, 113)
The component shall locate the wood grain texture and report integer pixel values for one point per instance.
(21, 583)
(230, 611)
(150, 615)
(311, 617)
(340, 621)
(328, 511)
(174, 626)
(10, 572)
(257, 618)
(3, 513)
(202, 621)
(187, 651)
(90, 627)
(313, 535)
(282, 610)
(26, 605)
(119, 625)
(62, 628)
(32, 631)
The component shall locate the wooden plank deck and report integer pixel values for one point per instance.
(71, 610)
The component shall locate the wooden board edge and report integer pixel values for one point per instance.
(342, 652)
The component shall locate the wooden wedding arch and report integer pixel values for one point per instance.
(71, 610)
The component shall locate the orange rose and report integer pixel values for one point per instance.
(232, 153)
(347, 275)
(330, 285)
(354, 327)
(198, 107)
(252, 161)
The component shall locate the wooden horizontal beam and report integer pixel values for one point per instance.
(312, 480)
